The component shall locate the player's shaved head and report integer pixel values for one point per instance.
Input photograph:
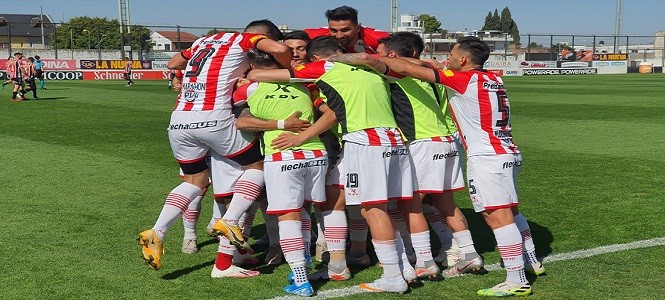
(478, 50)
(266, 27)
(323, 46)
(343, 13)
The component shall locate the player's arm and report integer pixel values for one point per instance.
(326, 121)
(177, 62)
(272, 75)
(282, 53)
(404, 67)
(360, 59)
(247, 122)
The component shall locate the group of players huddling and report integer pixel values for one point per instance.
(397, 120)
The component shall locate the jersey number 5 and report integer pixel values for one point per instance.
(504, 109)
(198, 61)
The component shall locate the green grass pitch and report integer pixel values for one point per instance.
(88, 166)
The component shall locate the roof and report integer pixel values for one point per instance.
(25, 25)
(185, 37)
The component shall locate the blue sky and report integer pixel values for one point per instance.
(643, 17)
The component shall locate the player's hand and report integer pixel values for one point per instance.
(177, 84)
(294, 124)
(241, 82)
(435, 63)
(286, 140)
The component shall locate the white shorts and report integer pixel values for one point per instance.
(291, 182)
(437, 165)
(193, 133)
(492, 180)
(376, 174)
(224, 173)
(335, 176)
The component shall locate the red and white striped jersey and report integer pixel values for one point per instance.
(368, 38)
(214, 65)
(480, 108)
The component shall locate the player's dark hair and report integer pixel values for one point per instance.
(31, 59)
(400, 45)
(265, 25)
(37, 57)
(343, 13)
(261, 59)
(323, 46)
(297, 35)
(477, 49)
(414, 39)
(18, 53)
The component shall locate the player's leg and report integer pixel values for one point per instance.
(190, 219)
(448, 251)
(368, 177)
(493, 194)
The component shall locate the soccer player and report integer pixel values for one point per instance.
(39, 69)
(128, 71)
(297, 40)
(31, 75)
(421, 111)
(482, 113)
(343, 25)
(201, 122)
(16, 74)
(293, 174)
(376, 164)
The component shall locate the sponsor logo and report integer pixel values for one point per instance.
(58, 64)
(299, 67)
(194, 125)
(610, 56)
(538, 64)
(159, 65)
(117, 75)
(114, 64)
(394, 152)
(305, 164)
(503, 134)
(575, 64)
(497, 72)
(60, 75)
(510, 164)
(581, 71)
(492, 86)
(498, 64)
(512, 73)
(445, 155)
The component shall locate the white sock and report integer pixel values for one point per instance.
(400, 224)
(465, 243)
(335, 235)
(191, 217)
(246, 190)
(386, 252)
(291, 240)
(529, 248)
(247, 219)
(320, 229)
(218, 209)
(306, 223)
(423, 249)
(509, 242)
(176, 203)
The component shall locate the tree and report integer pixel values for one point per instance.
(535, 45)
(430, 23)
(80, 32)
(515, 33)
(506, 20)
(488, 21)
(495, 23)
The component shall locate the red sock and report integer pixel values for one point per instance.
(223, 261)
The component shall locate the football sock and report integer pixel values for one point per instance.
(293, 247)
(509, 242)
(176, 203)
(246, 190)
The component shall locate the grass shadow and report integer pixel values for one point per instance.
(178, 273)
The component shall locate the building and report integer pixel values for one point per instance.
(172, 40)
(25, 31)
(441, 44)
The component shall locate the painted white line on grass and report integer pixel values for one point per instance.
(335, 293)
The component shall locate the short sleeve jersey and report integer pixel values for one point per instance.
(214, 65)
(421, 109)
(128, 66)
(278, 101)
(360, 99)
(480, 109)
(368, 39)
(38, 65)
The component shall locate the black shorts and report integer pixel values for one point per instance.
(17, 81)
(128, 75)
(39, 74)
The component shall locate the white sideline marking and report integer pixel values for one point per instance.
(335, 293)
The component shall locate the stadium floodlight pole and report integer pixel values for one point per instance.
(41, 24)
(617, 27)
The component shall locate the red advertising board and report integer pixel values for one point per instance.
(50, 64)
(118, 75)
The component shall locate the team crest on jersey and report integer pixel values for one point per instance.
(448, 73)
(299, 67)
(255, 39)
